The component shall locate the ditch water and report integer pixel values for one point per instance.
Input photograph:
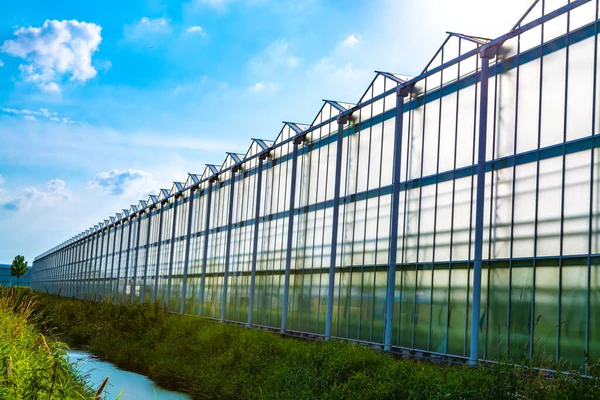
(130, 385)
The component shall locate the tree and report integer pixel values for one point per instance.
(18, 268)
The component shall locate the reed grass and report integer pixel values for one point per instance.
(33, 365)
(211, 360)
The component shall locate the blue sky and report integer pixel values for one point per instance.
(102, 103)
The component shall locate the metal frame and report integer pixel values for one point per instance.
(186, 260)
(413, 244)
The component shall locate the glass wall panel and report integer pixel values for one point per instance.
(541, 213)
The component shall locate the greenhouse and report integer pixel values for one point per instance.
(452, 215)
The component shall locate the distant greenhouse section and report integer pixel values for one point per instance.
(6, 279)
(454, 214)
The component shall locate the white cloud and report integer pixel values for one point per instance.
(50, 87)
(124, 183)
(273, 59)
(260, 87)
(11, 111)
(29, 112)
(54, 194)
(102, 65)
(1, 63)
(196, 6)
(147, 29)
(55, 51)
(352, 40)
(196, 29)
(156, 24)
(218, 5)
(43, 112)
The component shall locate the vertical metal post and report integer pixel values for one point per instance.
(81, 267)
(483, 106)
(172, 251)
(65, 275)
(112, 261)
(105, 278)
(92, 270)
(118, 277)
(127, 260)
(78, 262)
(228, 243)
(93, 283)
(341, 120)
(186, 260)
(86, 266)
(66, 270)
(52, 272)
(74, 252)
(591, 209)
(205, 249)
(100, 266)
(48, 283)
(145, 278)
(135, 257)
(71, 269)
(88, 282)
(401, 93)
(288, 255)
(61, 270)
(116, 301)
(255, 238)
(157, 268)
(57, 270)
(74, 269)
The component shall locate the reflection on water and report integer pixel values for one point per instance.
(132, 386)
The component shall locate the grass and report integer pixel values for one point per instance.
(32, 364)
(210, 360)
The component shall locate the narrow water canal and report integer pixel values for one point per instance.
(132, 386)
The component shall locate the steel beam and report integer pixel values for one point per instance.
(135, 257)
(479, 204)
(205, 248)
(171, 251)
(228, 244)
(92, 268)
(81, 268)
(255, 238)
(127, 260)
(97, 289)
(112, 261)
(99, 239)
(186, 260)
(145, 278)
(157, 267)
(288, 254)
(396, 178)
(342, 119)
(116, 293)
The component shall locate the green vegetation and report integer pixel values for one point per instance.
(33, 365)
(211, 360)
(18, 268)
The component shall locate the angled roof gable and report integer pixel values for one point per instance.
(192, 179)
(163, 194)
